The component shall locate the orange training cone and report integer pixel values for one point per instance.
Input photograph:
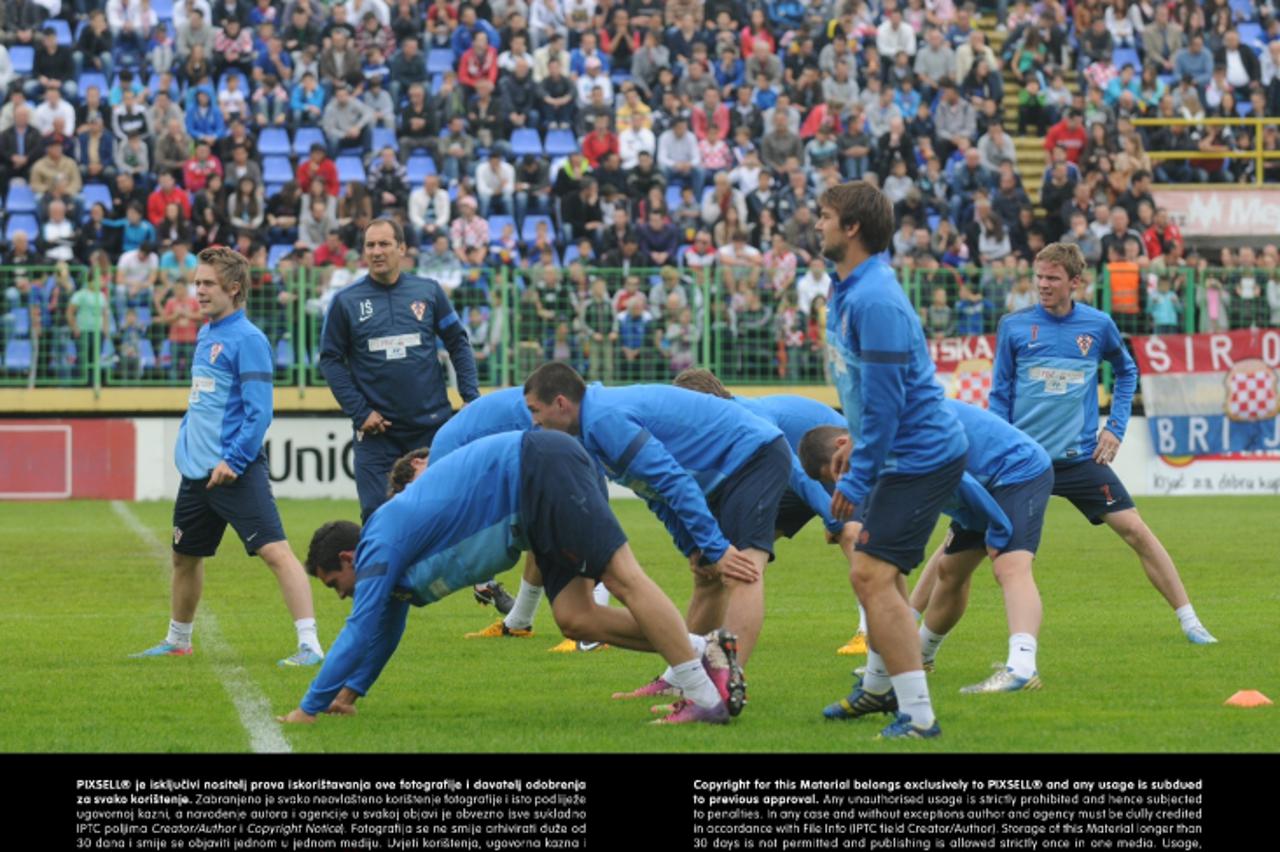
(1248, 698)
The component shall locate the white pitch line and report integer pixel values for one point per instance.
(255, 713)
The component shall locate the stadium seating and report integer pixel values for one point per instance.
(350, 169)
(23, 58)
(95, 193)
(20, 199)
(19, 322)
(525, 141)
(92, 78)
(1253, 35)
(17, 355)
(384, 137)
(304, 138)
(529, 228)
(560, 143)
(440, 61)
(62, 28)
(496, 224)
(146, 354)
(276, 170)
(274, 142)
(21, 222)
(277, 253)
(163, 9)
(418, 167)
(1123, 56)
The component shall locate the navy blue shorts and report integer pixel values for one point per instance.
(201, 514)
(793, 514)
(564, 511)
(1092, 488)
(902, 510)
(746, 504)
(1023, 504)
(374, 457)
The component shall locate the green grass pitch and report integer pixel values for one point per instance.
(81, 591)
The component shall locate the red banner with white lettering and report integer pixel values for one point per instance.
(963, 366)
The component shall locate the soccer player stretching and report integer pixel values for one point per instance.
(541, 493)
(909, 451)
(219, 453)
(1045, 382)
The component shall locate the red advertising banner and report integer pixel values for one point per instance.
(61, 459)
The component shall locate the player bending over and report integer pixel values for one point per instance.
(541, 494)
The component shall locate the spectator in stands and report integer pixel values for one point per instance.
(347, 122)
(20, 146)
(1161, 40)
(955, 120)
(167, 192)
(1194, 61)
(133, 157)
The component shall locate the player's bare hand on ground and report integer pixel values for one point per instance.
(736, 565)
(1108, 446)
(375, 424)
(297, 716)
(841, 508)
(221, 475)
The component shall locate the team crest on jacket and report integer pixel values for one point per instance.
(214, 351)
(418, 308)
(1085, 342)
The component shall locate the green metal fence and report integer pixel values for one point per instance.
(761, 326)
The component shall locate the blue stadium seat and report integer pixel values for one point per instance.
(496, 224)
(174, 92)
(418, 168)
(163, 9)
(274, 142)
(93, 193)
(526, 141)
(144, 316)
(244, 81)
(1243, 10)
(23, 59)
(21, 222)
(284, 354)
(276, 169)
(560, 143)
(20, 199)
(108, 351)
(1253, 35)
(166, 353)
(146, 354)
(19, 322)
(439, 60)
(673, 196)
(62, 28)
(17, 355)
(92, 78)
(437, 83)
(1244, 109)
(933, 219)
(277, 253)
(570, 254)
(620, 77)
(384, 136)
(272, 190)
(351, 169)
(1123, 56)
(304, 138)
(529, 230)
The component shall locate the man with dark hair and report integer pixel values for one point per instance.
(543, 495)
(711, 471)
(910, 454)
(224, 470)
(379, 358)
(1045, 382)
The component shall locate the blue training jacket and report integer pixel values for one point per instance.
(1045, 379)
(796, 415)
(229, 409)
(491, 414)
(885, 378)
(999, 454)
(673, 447)
(454, 526)
(379, 352)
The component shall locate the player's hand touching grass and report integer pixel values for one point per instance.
(297, 716)
(1108, 446)
(221, 475)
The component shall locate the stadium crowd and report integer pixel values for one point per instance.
(677, 148)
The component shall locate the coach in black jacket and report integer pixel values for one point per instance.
(379, 358)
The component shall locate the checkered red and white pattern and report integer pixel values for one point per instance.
(1251, 392)
(972, 386)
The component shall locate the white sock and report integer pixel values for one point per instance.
(877, 677)
(601, 595)
(307, 636)
(179, 634)
(913, 697)
(1187, 617)
(1022, 654)
(862, 620)
(521, 615)
(929, 643)
(699, 644)
(692, 679)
